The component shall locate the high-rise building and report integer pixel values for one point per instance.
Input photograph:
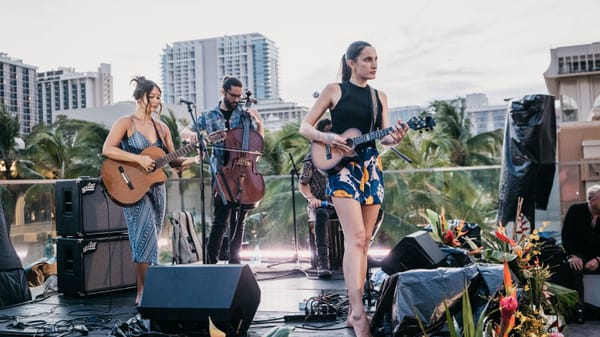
(17, 91)
(484, 117)
(65, 89)
(573, 77)
(193, 70)
(404, 112)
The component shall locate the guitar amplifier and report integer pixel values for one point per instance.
(89, 266)
(84, 208)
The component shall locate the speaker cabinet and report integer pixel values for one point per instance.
(84, 208)
(94, 265)
(181, 298)
(417, 250)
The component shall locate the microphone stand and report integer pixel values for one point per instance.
(295, 259)
(201, 152)
(402, 155)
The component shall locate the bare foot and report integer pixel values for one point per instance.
(361, 325)
(348, 321)
(138, 298)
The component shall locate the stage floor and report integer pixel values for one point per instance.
(284, 289)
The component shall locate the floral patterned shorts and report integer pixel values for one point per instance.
(361, 179)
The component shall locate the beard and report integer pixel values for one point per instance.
(229, 104)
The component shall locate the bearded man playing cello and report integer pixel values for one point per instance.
(228, 115)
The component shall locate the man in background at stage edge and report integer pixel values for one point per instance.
(581, 239)
(312, 186)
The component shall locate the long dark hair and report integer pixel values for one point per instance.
(354, 49)
(143, 88)
(323, 123)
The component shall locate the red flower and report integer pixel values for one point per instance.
(449, 237)
(508, 306)
(502, 236)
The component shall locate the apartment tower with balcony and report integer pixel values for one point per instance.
(65, 89)
(194, 69)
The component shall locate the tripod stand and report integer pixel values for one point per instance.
(295, 258)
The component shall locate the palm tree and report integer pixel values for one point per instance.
(453, 136)
(13, 167)
(9, 131)
(173, 124)
(9, 127)
(67, 148)
(278, 147)
(277, 203)
(463, 194)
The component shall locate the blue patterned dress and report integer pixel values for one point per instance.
(144, 218)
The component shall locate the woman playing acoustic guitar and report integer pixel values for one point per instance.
(357, 188)
(128, 137)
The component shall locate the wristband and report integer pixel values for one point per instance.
(597, 259)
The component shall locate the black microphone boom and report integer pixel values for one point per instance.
(183, 100)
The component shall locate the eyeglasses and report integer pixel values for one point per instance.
(233, 95)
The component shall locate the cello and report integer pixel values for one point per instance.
(239, 176)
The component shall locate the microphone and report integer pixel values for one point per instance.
(183, 100)
(316, 94)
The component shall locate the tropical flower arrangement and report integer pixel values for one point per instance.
(451, 233)
(532, 306)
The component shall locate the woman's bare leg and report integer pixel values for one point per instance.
(353, 218)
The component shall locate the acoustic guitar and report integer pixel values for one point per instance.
(331, 160)
(127, 182)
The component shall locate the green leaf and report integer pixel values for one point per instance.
(450, 320)
(468, 324)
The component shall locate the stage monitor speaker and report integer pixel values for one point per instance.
(417, 250)
(89, 266)
(83, 207)
(181, 298)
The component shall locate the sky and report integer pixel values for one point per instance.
(427, 49)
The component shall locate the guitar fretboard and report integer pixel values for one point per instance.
(371, 136)
(413, 123)
(173, 155)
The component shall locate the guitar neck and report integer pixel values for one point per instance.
(372, 136)
(173, 155)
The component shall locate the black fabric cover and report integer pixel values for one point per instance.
(529, 157)
(13, 283)
(13, 287)
(418, 294)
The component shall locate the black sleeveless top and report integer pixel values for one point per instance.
(355, 110)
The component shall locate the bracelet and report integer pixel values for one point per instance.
(597, 259)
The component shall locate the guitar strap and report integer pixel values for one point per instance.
(164, 145)
(374, 103)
